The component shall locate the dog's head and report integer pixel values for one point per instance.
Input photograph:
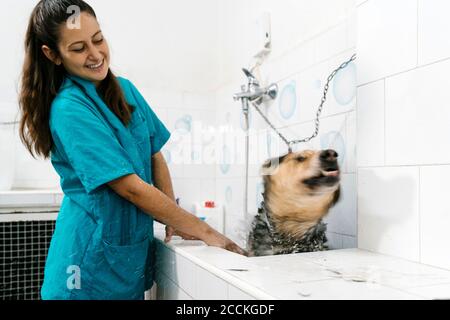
(307, 179)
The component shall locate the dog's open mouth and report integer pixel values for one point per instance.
(330, 172)
(327, 177)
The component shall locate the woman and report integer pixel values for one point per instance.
(104, 141)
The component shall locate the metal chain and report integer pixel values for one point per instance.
(319, 110)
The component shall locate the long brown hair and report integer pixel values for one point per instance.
(41, 78)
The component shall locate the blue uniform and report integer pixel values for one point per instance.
(103, 246)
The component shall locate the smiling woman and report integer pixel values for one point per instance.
(83, 51)
(52, 50)
(104, 141)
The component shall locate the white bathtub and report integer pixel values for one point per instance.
(192, 270)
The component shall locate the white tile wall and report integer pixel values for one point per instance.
(350, 146)
(230, 192)
(417, 118)
(338, 241)
(341, 94)
(387, 44)
(334, 240)
(160, 98)
(434, 215)
(332, 42)
(194, 190)
(256, 187)
(370, 125)
(349, 242)
(402, 125)
(359, 2)
(388, 211)
(342, 218)
(433, 30)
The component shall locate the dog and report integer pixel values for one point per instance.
(299, 190)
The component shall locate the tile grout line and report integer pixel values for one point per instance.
(406, 166)
(417, 34)
(420, 214)
(384, 124)
(404, 71)
(357, 111)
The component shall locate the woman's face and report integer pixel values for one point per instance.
(83, 51)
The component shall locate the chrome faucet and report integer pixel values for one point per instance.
(253, 92)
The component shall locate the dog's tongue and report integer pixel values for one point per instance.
(331, 173)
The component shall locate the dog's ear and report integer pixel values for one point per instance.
(271, 165)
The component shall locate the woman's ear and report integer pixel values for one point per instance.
(50, 54)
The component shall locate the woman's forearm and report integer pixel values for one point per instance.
(154, 202)
(161, 175)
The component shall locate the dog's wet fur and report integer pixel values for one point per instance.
(299, 190)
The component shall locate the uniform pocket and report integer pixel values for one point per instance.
(121, 269)
(139, 127)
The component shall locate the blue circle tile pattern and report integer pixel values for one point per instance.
(334, 140)
(288, 100)
(183, 124)
(344, 88)
(195, 155)
(226, 160)
(228, 194)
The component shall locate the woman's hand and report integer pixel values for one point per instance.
(170, 232)
(216, 239)
(213, 238)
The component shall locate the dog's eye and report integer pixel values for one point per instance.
(301, 159)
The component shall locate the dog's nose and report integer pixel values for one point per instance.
(328, 155)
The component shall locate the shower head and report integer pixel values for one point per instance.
(253, 92)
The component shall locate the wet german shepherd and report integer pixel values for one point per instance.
(299, 190)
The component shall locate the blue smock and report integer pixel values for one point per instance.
(103, 246)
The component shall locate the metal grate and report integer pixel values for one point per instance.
(23, 250)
